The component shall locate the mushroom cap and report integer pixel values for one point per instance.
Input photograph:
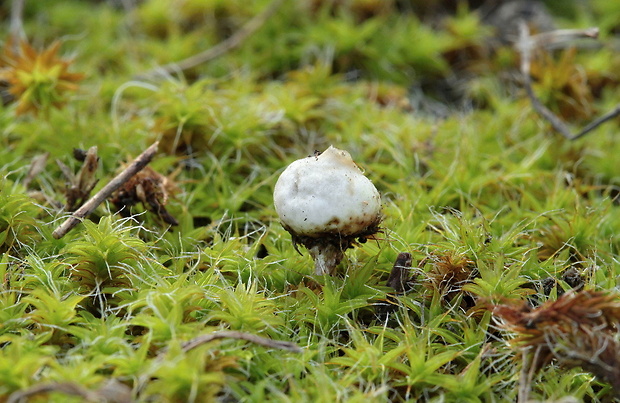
(326, 195)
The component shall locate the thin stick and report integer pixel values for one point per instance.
(221, 48)
(231, 334)
(112, 391)
(222, 334)
(68, 388)
(593, 125)
(524, 385)
(140, 162)
(16, 28)
(526, 44)
(560, 37)
(528, 369)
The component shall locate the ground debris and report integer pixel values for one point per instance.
(150, 188)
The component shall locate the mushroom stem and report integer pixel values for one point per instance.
(326, 257)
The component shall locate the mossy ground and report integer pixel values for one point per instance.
(492, 204)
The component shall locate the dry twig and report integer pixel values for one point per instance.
(529, 43)
(527, 373)
(80, 185)
(16, 28)
(231, 334)
(113, 391)
(140, 162)
(222, 334)
(559, 37)
(221, 48)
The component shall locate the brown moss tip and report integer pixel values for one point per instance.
(579, 329)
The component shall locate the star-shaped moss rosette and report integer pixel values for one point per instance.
(37, 80)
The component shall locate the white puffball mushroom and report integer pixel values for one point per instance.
(327, 203)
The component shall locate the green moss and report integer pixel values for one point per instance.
(491, 203)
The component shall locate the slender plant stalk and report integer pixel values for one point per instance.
(221, 48)
(231, 334)
(526, 45)
(17, 22)
(224, 334)
(113, 392)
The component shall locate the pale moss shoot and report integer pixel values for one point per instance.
(327, 204)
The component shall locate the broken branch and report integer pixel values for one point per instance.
(16, 27)
(526, 45)
(112, 391)
(221, 48)
(399, 278)
(230, 334)
(140, 162)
